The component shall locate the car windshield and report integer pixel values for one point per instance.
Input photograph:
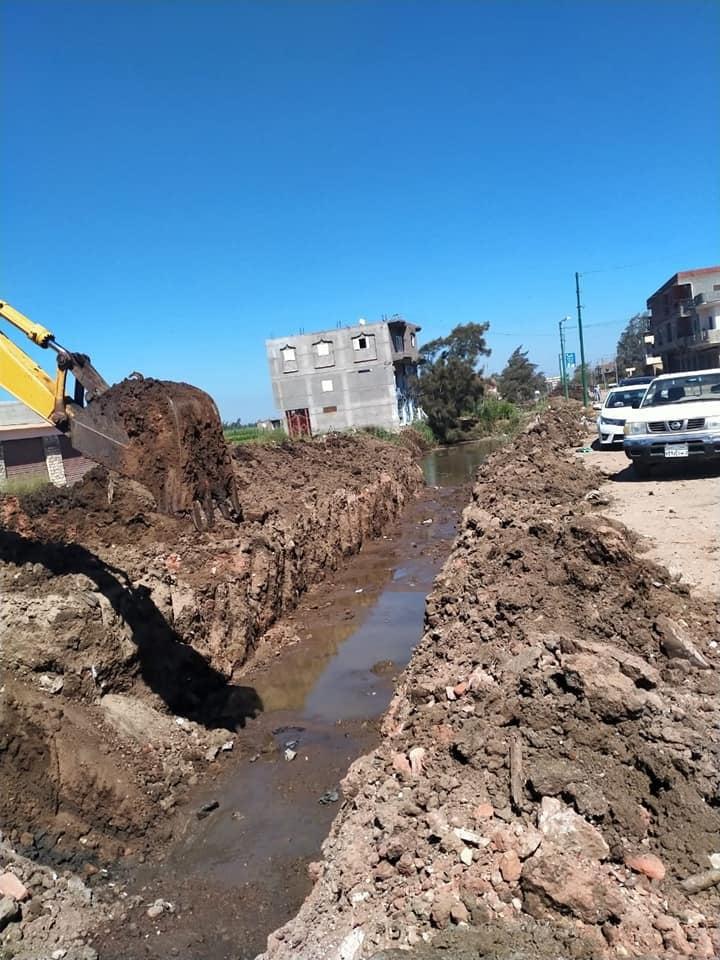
(684, 388)
(624, 398)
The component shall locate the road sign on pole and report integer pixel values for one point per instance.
(569, 359)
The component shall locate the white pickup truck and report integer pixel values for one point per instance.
(678, 419)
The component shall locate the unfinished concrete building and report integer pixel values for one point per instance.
(685, 320)
(357, 376)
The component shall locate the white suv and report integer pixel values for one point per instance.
(679, 418)
(619, 402)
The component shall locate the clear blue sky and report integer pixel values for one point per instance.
(183, 178)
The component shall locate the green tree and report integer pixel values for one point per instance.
(465, 342)
(449, 384)
(577, 374)
(631, 345)
(520, 378)
(450, 389)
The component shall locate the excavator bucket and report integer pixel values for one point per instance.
(167, 436)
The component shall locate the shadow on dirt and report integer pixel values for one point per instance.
(667, 472)
(184, 680)
(605, 447)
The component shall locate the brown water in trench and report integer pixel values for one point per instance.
(236, 875)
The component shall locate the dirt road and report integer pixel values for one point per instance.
(676, 514)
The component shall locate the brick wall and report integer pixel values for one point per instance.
(35, 457)
(76, 466)
(25, 458)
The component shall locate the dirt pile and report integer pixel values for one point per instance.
(549, 771)
(123, 631)
(176, 447)
(305, 506)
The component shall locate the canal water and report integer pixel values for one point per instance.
(454, 466)
(240, 872)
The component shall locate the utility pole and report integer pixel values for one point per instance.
(583, 372)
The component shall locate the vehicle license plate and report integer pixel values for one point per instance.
(676, 450)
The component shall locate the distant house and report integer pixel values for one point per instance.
(31, 448)
(269, 424)
(605, 372)
(685, 321)
(354, 376)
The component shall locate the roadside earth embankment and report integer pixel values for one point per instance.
(122, 634)
(548, 779)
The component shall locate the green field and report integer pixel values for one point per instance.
(253, 435)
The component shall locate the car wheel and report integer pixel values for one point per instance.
(642, 470)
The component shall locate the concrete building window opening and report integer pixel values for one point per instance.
(326, 386)
(364, 344)
(289, 359)
(324, 353)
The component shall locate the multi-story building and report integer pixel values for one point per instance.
(685, 320)
(356, 376)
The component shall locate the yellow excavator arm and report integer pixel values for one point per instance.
(166, 435)
(24, 378)
(33, 331)
(27, 381)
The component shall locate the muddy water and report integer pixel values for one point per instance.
(454, 466)
(240, 872)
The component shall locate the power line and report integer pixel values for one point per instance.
(522, 335)
(625, 266)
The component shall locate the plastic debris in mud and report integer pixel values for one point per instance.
(206, 809)
(330, 796)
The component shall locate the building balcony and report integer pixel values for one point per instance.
(703, 339)
(702, 298)
(405, 353)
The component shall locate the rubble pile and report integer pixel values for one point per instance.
(548, 779)
(45, 913)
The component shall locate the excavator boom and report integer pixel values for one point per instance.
(167, 436)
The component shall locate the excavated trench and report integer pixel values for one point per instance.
(239, 872)
(148, 670)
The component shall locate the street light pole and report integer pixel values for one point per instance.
(582, 345)
(563, 366)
